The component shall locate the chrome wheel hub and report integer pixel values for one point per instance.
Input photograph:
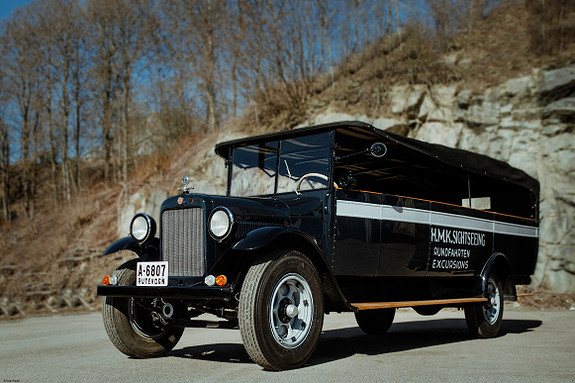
(492, 309)
(291, 311)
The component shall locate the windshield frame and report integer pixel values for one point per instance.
(280, 170)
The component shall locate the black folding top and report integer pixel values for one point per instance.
(463, 159)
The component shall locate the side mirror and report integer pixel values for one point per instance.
(347, 181)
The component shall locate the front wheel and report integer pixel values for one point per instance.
(132, 324)
(281, 311)
(484, 319)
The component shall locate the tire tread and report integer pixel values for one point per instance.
(250, 323)
(247, 318)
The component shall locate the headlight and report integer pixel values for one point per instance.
(143, 227)
(221, 223)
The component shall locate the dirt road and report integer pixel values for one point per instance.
(535, 346)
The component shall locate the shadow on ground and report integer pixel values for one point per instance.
(342, 343)
(345, 342)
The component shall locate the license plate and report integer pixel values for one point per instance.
(152, 273)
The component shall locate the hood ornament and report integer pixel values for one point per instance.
(186, 184)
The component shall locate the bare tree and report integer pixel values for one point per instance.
(80, 86)
(5, 167)
(4, 139)
(54, 38)
(551, 25)
(75, 65)
(24, 71)
(117, 33)
(173, 86)
(205, 16)
(236, 33)
(397, 23)
(104, 55)
(325, 18)
(133, 15)
(200, 26)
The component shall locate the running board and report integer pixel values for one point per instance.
(389, 305)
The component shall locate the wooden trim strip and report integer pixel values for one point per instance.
(388, 305)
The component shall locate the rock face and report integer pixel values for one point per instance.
(529, 123)
(144, 201)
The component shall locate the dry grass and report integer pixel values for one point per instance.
(542, 299)
(497, 48)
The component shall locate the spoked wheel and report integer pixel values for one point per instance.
(281, 311)
(375, 322)
(484, 320)
(132, 324)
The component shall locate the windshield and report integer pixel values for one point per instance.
(300, 163)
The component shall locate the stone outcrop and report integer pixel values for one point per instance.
(529, 123)
(532, 128)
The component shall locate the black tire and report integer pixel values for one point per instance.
(484, 319)
(129, 324)
(281, 295)
(375, 322)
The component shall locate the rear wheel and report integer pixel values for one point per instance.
(281, 311)
(484, 319)
(375, 322)
(133, 325)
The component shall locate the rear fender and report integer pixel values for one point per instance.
(147, 252)
(498, 264)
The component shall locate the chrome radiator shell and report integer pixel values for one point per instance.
(183, 241)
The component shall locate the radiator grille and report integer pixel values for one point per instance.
(183, 242)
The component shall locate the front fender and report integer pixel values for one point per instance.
(288, 238)
(260, 238)
(146, 251)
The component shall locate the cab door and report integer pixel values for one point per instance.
(404, 237)
(357, 233)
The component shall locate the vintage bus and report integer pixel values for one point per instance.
(341, 217)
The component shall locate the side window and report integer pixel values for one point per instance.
(488, 193)
(304, 157)
(402, 172)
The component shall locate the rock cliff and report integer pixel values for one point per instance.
(527, 122)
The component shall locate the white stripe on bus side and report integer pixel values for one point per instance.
(411, 215)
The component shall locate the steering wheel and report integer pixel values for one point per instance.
(307, 175)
